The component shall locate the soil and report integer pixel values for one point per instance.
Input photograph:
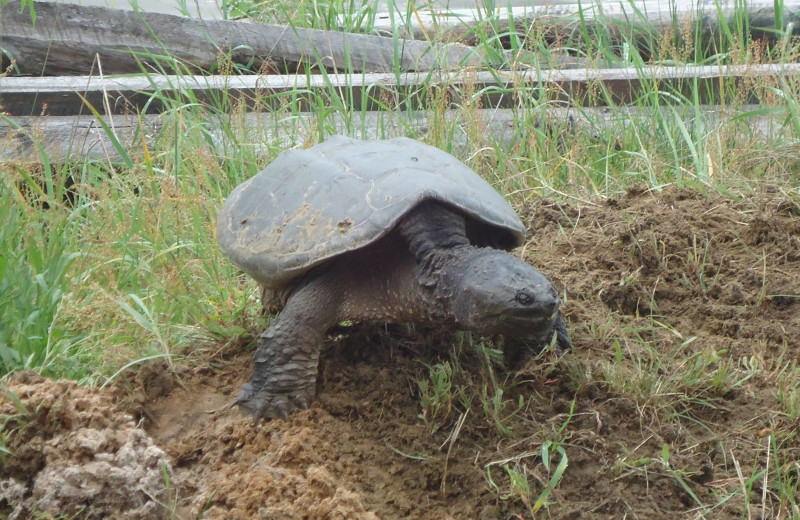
(666, 293)
(76, 453)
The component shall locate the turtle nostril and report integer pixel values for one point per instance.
(525, 298)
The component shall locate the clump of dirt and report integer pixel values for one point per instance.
(655, 282)
(73, 453)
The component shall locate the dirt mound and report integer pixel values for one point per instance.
(74, 454)
(725, 271)
(684, 312)
(227, 468)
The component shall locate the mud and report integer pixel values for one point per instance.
(76, 454)
(655, 283)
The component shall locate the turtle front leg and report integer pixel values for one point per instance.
(285, 372)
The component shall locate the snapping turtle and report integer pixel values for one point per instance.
(394, 231)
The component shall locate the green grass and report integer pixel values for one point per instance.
(39, 249)
(103, 265)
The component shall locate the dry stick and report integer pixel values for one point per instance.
(106, 103)
(452, 440)
(741, 483)
(766, 475)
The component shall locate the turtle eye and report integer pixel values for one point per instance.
(524, 298)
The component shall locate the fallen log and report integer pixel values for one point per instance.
(62, 96)
(74, 39)
(629, 17)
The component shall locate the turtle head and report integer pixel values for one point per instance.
(497, 293)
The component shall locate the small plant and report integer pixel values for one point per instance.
(698, 267)
(519, 487)
(519, 475)
(497, 409)
(788, 390)
(436, 394)
(679, 475)
(10, 423)
(782, 476)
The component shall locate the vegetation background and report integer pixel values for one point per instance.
(106, 267)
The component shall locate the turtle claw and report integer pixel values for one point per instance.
(262, 404)
(563, 342)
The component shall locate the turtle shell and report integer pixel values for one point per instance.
(309, 206)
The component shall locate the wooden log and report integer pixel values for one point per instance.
(78, 138)
(125, 94)
(628, 17)
(74, 39)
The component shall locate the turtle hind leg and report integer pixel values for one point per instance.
(285, 362)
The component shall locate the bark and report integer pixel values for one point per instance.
(74, 39)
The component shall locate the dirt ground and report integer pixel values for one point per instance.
(657, 284)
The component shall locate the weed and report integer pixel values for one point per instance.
(497, 409)
(788, 390)
(519, 475)
(10, 423)
(436, 394)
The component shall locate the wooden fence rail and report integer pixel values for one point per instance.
(123, 94)
(84, 138)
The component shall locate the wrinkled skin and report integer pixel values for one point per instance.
(426, 271)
